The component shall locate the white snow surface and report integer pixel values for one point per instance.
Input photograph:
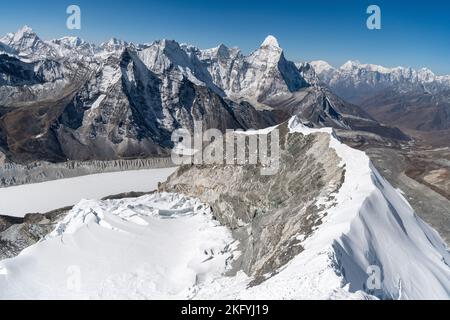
(160, 246)
(321, 66)
(270, 41)
(50, 195)
(167, 246)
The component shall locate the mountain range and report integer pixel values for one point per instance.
(417, 101)
(66, 99)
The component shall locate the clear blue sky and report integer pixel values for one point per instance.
(414, 33)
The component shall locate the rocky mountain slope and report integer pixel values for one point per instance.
(104, 102)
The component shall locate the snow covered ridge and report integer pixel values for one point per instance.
(370, 245)
(423, 74)
(373, 225)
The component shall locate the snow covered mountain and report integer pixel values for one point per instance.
(112, 101)
(410, 99)
(316, 230)
(311, 231)
(355, 81)
(28, 45)
(264, 76)
(68, 99)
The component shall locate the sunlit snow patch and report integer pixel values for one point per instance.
(160, 246)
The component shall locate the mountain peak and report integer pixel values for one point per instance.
(113, 44)
(426, 70)
(26, 43)
(426, 75)
(350, 64)
(25, 30)
(270, 41)
(70, 41)
(221, 47)
(321, 66)
(222, 50)
(115, 41)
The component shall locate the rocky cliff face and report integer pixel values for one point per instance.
(266, 213)
(13, 174)
(264, 76)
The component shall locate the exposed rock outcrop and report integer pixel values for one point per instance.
(16, 234)
(267, 213)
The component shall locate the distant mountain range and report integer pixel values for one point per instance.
(68, 99)
(416, 100)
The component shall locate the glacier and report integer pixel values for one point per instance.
(51, 195)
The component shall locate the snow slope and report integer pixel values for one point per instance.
(159, 246)
(50, 195)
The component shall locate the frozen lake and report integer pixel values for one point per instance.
(46, 196)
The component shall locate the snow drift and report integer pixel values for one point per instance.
(160, 246)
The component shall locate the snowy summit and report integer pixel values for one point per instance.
(22, 32)
(270, 41)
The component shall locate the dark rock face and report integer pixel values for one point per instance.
(17, 234)
(319, 107)
(268, 214)
(15, 72)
